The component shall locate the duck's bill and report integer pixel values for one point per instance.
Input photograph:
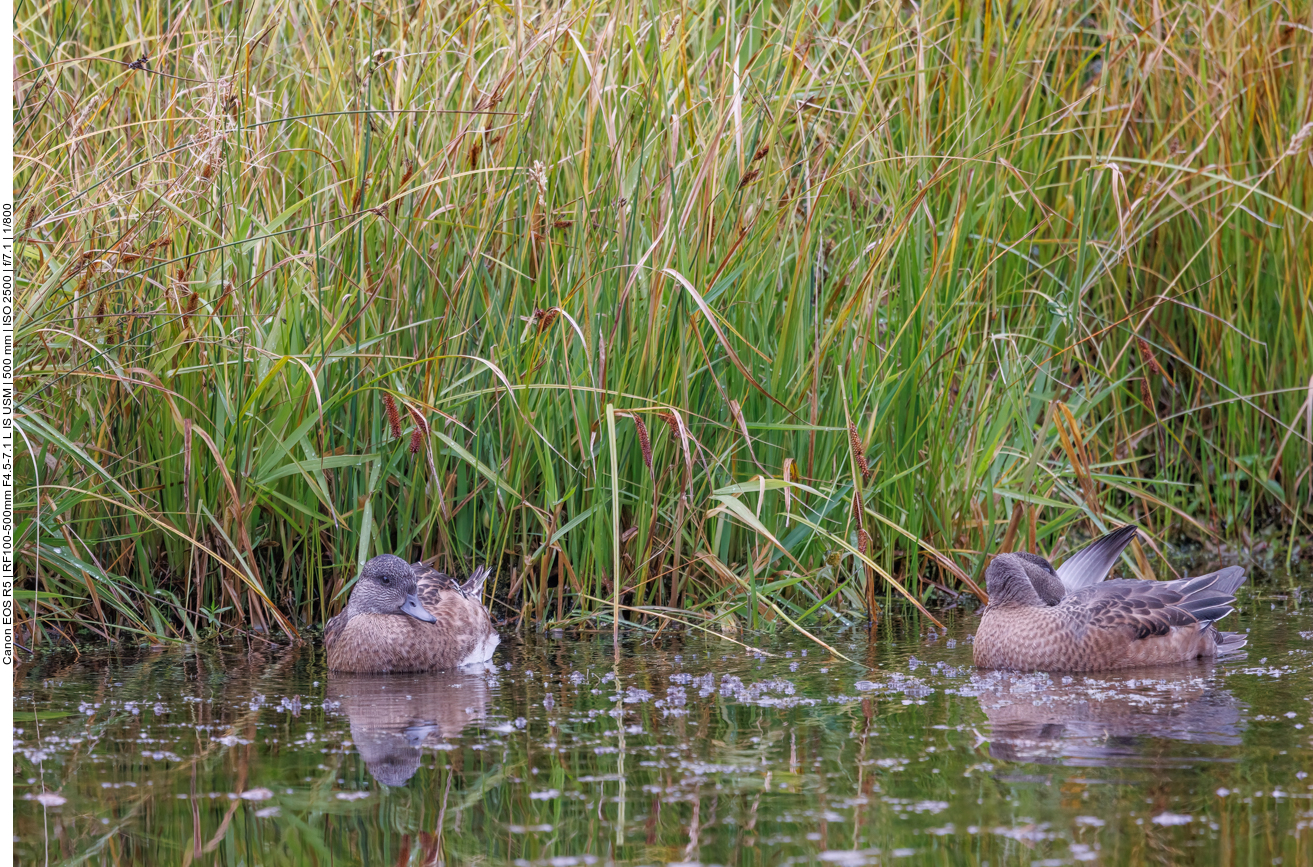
(417, 611)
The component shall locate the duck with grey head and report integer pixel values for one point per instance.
(410, 617)
(1071, 619)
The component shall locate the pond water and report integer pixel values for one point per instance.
(689, 749)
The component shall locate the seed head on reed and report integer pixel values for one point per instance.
(856, 442)
(1298, 139)
(671, 423)
(394, 416)
(644, 442)
(1147, 356)
(749, 177)
(863, 541)
(1145, 394)
(761, 152)
(539, 175)
(421, 431)
(544, 318)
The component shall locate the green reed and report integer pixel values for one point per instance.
(854, 294)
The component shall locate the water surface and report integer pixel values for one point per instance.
(689, 749)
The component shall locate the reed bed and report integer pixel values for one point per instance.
(726, 315)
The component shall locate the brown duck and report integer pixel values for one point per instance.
(393, 718)
(410, 617)
(1070, 619)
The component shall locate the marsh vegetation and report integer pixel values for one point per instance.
(741, 314)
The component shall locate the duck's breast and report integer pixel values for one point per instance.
(378, 643)
(1034, 638)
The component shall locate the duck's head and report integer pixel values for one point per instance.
(387, 586)
(1023, 579)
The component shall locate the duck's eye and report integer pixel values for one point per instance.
(384, 580)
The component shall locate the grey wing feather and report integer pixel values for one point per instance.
(473, 585)
(1091, 564)
(1155, 607)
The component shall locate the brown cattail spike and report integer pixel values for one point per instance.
(858, 457)
(1145, 394)
(421, 431)
(863, 541)
(671, 423)
(1147, 356)
(761, 152)
(394, 416)
(644, 442)
(749, 178)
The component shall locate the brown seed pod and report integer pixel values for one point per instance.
(671, 423)
(421, 431)
(749, 177)
(863, 541)
(761, 152)
(644, 442)
(546, 317)
(394, 416)
(1145, 394)
(858, 457)
(1147, 356)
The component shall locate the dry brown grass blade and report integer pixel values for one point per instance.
(1070, 435)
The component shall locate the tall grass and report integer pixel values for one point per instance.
(746, 314)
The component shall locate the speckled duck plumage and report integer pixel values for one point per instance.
(410, 617)
(1071, 619)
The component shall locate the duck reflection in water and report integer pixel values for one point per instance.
(1110, 719)
(393, 717)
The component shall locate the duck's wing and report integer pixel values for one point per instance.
(1091, 564)
(473, 585)
(1152, 608)
(431, 584)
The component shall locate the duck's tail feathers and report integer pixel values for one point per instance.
(473, 585)
(1209, 598)
(1091, 564)
(1230, 642)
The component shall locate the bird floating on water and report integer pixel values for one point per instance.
(1071, 619)
(410, 617)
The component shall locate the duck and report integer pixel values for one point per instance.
(394, 717)
(409, 617)
(1070, 619)
(1121, 718)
